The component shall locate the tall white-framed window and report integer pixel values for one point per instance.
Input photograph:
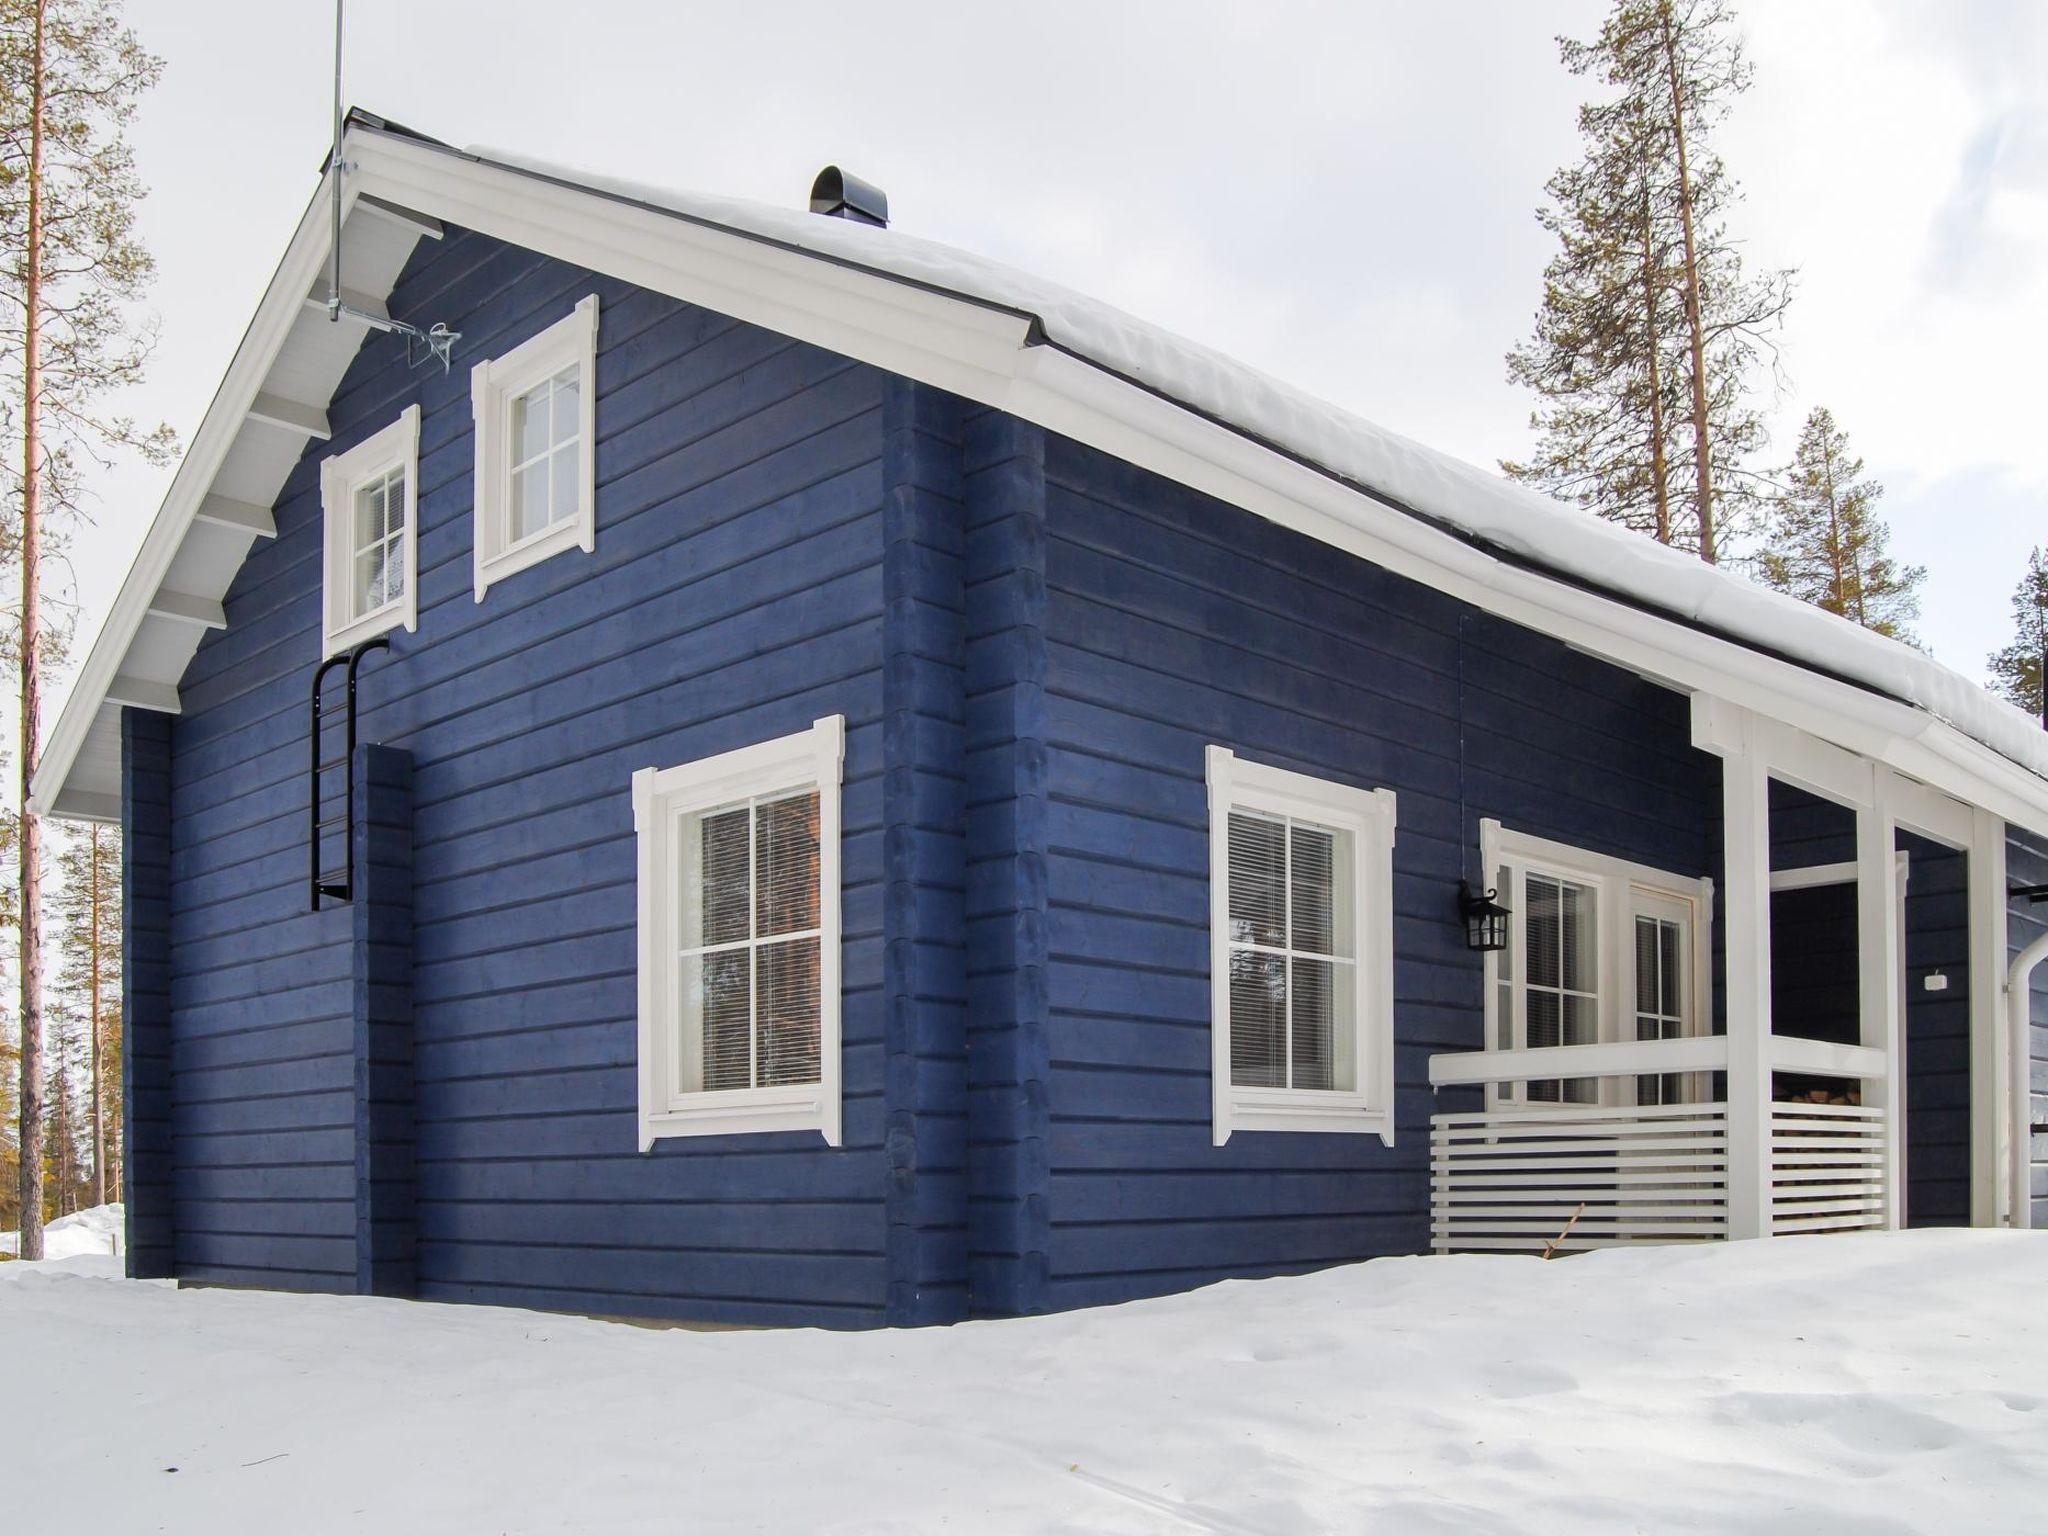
(739, 939)
(369, 505)
(536, 418)
(1600, 950)
(1301, 952)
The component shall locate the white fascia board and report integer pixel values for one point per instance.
(275, 315)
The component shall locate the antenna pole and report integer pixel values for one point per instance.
(334, 175)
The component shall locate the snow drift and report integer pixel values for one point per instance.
(97, 1230)
(1869, 1384)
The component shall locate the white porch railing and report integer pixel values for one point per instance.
(1512, 1179)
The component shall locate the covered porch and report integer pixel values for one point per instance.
(1635, 1085)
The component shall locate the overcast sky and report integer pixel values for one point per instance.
(1340, 194)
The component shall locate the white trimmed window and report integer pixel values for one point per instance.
(1301, 951)
(369, 501)
(535, 423)
(1600, 951)
(739, 939)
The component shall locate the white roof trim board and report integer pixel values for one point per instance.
(1076, 366)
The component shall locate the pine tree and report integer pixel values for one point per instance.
(87, 911)
(2016, 671)
(1827, 544)
(70, 76)
(1650, 337)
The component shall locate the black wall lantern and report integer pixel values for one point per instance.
(1486, 920)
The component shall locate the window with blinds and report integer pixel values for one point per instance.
(1301, 895)
(739, 939)
(1293, 930)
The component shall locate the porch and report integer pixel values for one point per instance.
(1617, 1105)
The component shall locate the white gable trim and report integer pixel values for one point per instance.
(984, 352)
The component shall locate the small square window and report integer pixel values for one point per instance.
(739, 940)
(535, 420)
(369, 503)
(1302, 898)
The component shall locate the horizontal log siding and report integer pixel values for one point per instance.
(1173, 621)
(735, 595)
(1937, 1035)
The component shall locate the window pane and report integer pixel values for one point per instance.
(1649, 984)
(1544, 1029)
(369, 515)
(565, 406)
(1324, 923)
(716, 1005)
(1577, 937)
(714, 877)
(568, 487)
(373, 576)
(1323, 1044)
(529, 500)
(530, 424)
(1258, 1019)
(1258, 876)
(1540, 925)
(786, 899)
(1673, 992)
(788, 1045)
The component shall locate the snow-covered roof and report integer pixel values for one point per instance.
(1075, 364)
(1477, 503)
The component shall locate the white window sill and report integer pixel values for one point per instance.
(1296, 1109)
(740, 1111)
(556, 538)
(393, 615)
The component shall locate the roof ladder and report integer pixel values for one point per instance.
(321, 828)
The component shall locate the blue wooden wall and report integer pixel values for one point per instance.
(1173, 621)
(737, 593)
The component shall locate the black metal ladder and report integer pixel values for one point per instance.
(328, 882)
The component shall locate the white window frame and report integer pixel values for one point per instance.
(661, 799)
(1623, 889)
(396, 447)
(493, 386)
(1369, 816)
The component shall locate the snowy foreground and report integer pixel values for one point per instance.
(1807, 1385)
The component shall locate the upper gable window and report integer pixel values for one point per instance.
(535, 422)
(1301, 935)
(369, 500)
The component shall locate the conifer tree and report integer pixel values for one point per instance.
(87, 912)
(2016, 671)
(1650, 337)
(1827, 545)
(71, 267)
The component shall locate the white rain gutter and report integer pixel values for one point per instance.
(2019, 1023)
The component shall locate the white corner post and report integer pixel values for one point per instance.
(1991, 1123)
(1877, 977)
(1746, 866)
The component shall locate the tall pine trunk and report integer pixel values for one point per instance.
(31, 701)
(1702, 438)
(99, 1113)
(1660, 469)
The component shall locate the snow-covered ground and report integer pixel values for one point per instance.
(97, 1230)
(1807, 1386)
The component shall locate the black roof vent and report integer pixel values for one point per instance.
(841, 196)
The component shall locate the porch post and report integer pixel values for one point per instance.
(1745, 816)
(1877, 953)
(1990, 1092)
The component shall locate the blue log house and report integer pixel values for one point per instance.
(801, 777)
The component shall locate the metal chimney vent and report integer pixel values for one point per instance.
(838, 195)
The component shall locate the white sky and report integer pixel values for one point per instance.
(1341, 194)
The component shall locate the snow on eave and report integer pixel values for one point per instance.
(1508, 520)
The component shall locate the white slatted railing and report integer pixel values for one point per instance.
(1827, 1167)
(1511, 1180)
